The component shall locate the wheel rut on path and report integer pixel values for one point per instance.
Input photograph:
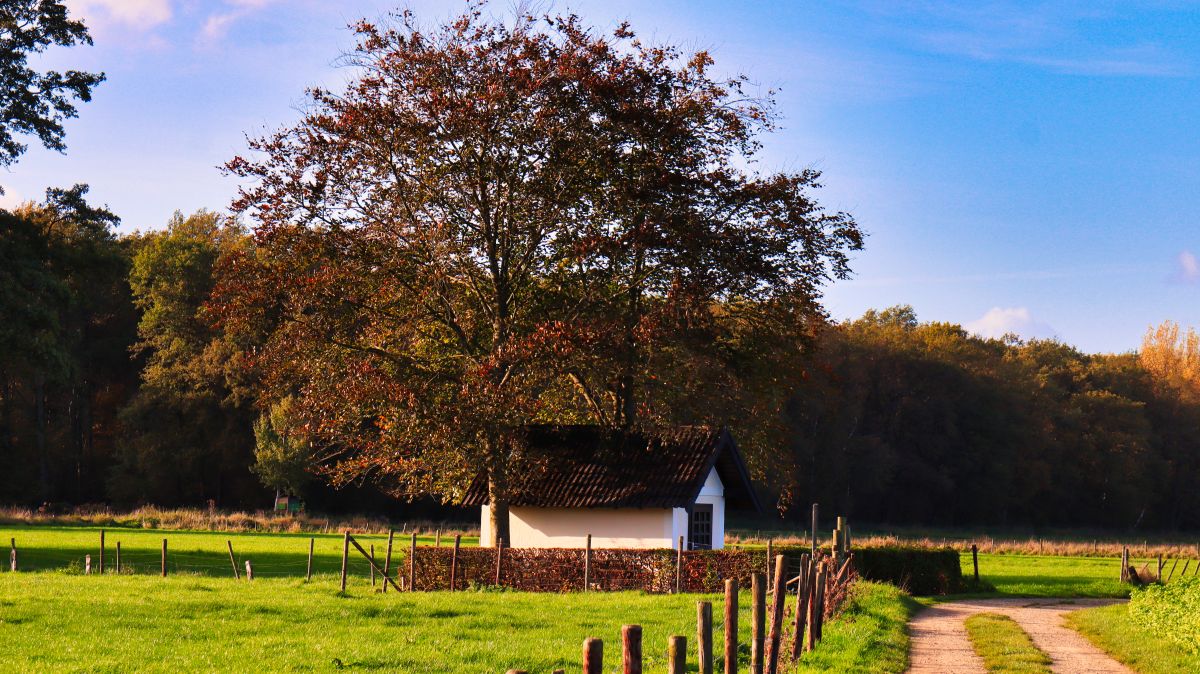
(940, 644)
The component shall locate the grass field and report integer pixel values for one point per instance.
(277, 555)
(1115, 632)
(1004, 646)
(1047, 576)
(869, 635)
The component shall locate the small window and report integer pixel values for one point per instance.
(700, 527)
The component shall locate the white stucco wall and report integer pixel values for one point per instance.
(609, 527)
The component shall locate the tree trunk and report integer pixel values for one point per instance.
(498, 496)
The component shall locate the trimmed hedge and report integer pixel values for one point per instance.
(919, 570)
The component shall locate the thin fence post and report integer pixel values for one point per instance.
(593, 656)
(387, 560)
(975, 561)
(775, 635)
(372, 565)
(758, 601)
(801, 606)
(437, 541)
(815, 510)
(499, 560)
(676, 654)
(454, 562)
(1158, 575)
(249, 571)
(822, 577)
(812, 605)
(118, 558)
(769, 561)
(704, 647)
(631, 649)
(308, 568)
(232, 561)
(87, 565)
(587, 564)
(345, 557)
(679, 566)
(412, 563)
(12, 555)
(731, 626)
(101, 566)
(164, 558)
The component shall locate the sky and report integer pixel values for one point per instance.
(1018, 166)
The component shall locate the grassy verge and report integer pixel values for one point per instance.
(1047, 576)
(869, 635)
(1114, 631)
(1004, 646)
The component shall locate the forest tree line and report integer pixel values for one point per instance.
(118, 386)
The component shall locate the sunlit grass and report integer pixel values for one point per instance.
(1004, 646)
(1144, 650)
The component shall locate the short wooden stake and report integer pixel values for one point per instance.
(769, 561)
(12, 555)
(249, 571)
(676, 655)
(820, 601)
(758, 608)
(387, 560)
(454, 562)
(814, 531)
(164, 558)
(412, 563)
(631, 649)
(731, 626)
(587, 564)
(704, 646)
(345, 558)
(776, 632)
(437, 541)
(101, 560)
(801, 606)
(679, 567)
(232, 561)
(813, 609)
(975, 561)
(593, 656)
(87, 565)
(1158, 574)
(308, 569)
(499, 560)
(118, 558)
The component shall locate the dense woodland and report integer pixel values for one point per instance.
(117, 386)
(515, 220)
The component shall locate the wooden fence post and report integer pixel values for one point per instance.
(118, 558)
(387, 560)
(308, 569)
(676, 655)
(731, 626)
(87, 565)
(770, 559)
(593, 656)
(1171, 573)
(101, 552)
(801, 605)
(819, 600)
(164, 558)
(631, 649)
(775, 635)
(975, 561)
(249, 571)
(758, 601)
(1158, 575)
(437, 542)
(704, 646)
(412, 563)
(814, 530)
(679, 566)
(499, 560)
(454, 562)
(12, 555)
(345, 557)
(587, 565)
(372, 565)
(232, 561)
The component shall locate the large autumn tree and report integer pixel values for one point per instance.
(503, 221)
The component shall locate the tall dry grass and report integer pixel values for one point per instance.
(1005, 546)
(196, 519)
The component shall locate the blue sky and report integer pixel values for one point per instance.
(1030, 167)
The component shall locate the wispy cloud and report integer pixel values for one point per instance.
(998, 322)
(10, 198)
(217, 25)
(135, 14)
(1187, 268)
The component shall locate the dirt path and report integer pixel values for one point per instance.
(940, 644)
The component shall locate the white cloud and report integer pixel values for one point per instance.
(1187, 269)
(998, 322)
(137, 14)
(11, 198)
(218, 24)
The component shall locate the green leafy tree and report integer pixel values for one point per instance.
(32, 102)
(282, 457)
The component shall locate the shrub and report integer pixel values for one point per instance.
(921, 571)
(1172, 610)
